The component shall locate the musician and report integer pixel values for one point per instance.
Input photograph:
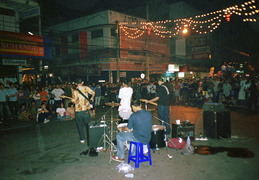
(125, 94)
(139, 129)
(82, 107)
(163, 101)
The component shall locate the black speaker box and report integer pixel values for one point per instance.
(95, 135)
(217, 124)
(183, 131)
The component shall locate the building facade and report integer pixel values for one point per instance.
(107, 46)
(23, 51)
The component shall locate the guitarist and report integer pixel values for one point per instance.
(82, 107)
(163, 101)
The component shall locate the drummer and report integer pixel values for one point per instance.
(138, 130)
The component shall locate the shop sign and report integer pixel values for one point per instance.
(21, 44)
(28, 13)
(201, 52)
(122, 74)
(14, 62)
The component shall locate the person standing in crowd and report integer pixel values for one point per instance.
(144, 85)
(139, 129)
(226, 89)
(185, 89)
(98, 92)
(22, 94)
(82, 107)
(44, 95)
(112, 92)
(57, 92)
(125, 95)
(3, 103)
(163, 101)
(35, 95)
(252, 99)
(151, 89)
(215, 82)
(68, 93)
(177, 88)
(137, 90)
(13, 100)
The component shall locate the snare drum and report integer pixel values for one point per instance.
(157, 137)
(122, 127)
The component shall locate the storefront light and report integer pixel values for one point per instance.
(181, 74)
(142, 75)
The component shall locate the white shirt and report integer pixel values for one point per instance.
(57, 93)
(61, 111)
(125, 95)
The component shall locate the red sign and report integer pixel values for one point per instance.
(21, 44)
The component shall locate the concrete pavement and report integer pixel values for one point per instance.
(52, 151)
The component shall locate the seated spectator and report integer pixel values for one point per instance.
(32, 111)
(223, 99)
(43, 114)
(70, 111)
(232, 102)
(23, 115)
(209, 96)
(61, 112)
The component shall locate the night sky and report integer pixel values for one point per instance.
(239, 35)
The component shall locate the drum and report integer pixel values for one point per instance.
(157, 137)
(122, 127)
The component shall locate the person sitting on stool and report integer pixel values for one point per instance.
(139, 129)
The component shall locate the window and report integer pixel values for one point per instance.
(113, 32)
(75, 38)
(97, 33)
(57, 50)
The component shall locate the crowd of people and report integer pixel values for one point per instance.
(22, 102)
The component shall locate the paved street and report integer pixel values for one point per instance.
(52, 151)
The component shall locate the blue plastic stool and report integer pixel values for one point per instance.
(139, 154)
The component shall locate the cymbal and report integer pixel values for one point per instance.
(112, 104)
(151, 109)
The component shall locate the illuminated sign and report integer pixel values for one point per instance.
(173, 67)
(21, 44)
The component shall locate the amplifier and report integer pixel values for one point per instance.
(183, 131)
(217, 124)
(95, 135)
(213, 107)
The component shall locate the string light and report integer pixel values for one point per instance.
(201, 24)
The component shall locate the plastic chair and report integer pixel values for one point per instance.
(139, 154)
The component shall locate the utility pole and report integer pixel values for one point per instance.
(147, 44)
(118, 51)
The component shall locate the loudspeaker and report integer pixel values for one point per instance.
(183, 131)
(94, 135)
(217, 124)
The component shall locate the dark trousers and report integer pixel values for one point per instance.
(14, 107)
(163, 114)
(82, 119)
(42, 117)
(4, 110)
